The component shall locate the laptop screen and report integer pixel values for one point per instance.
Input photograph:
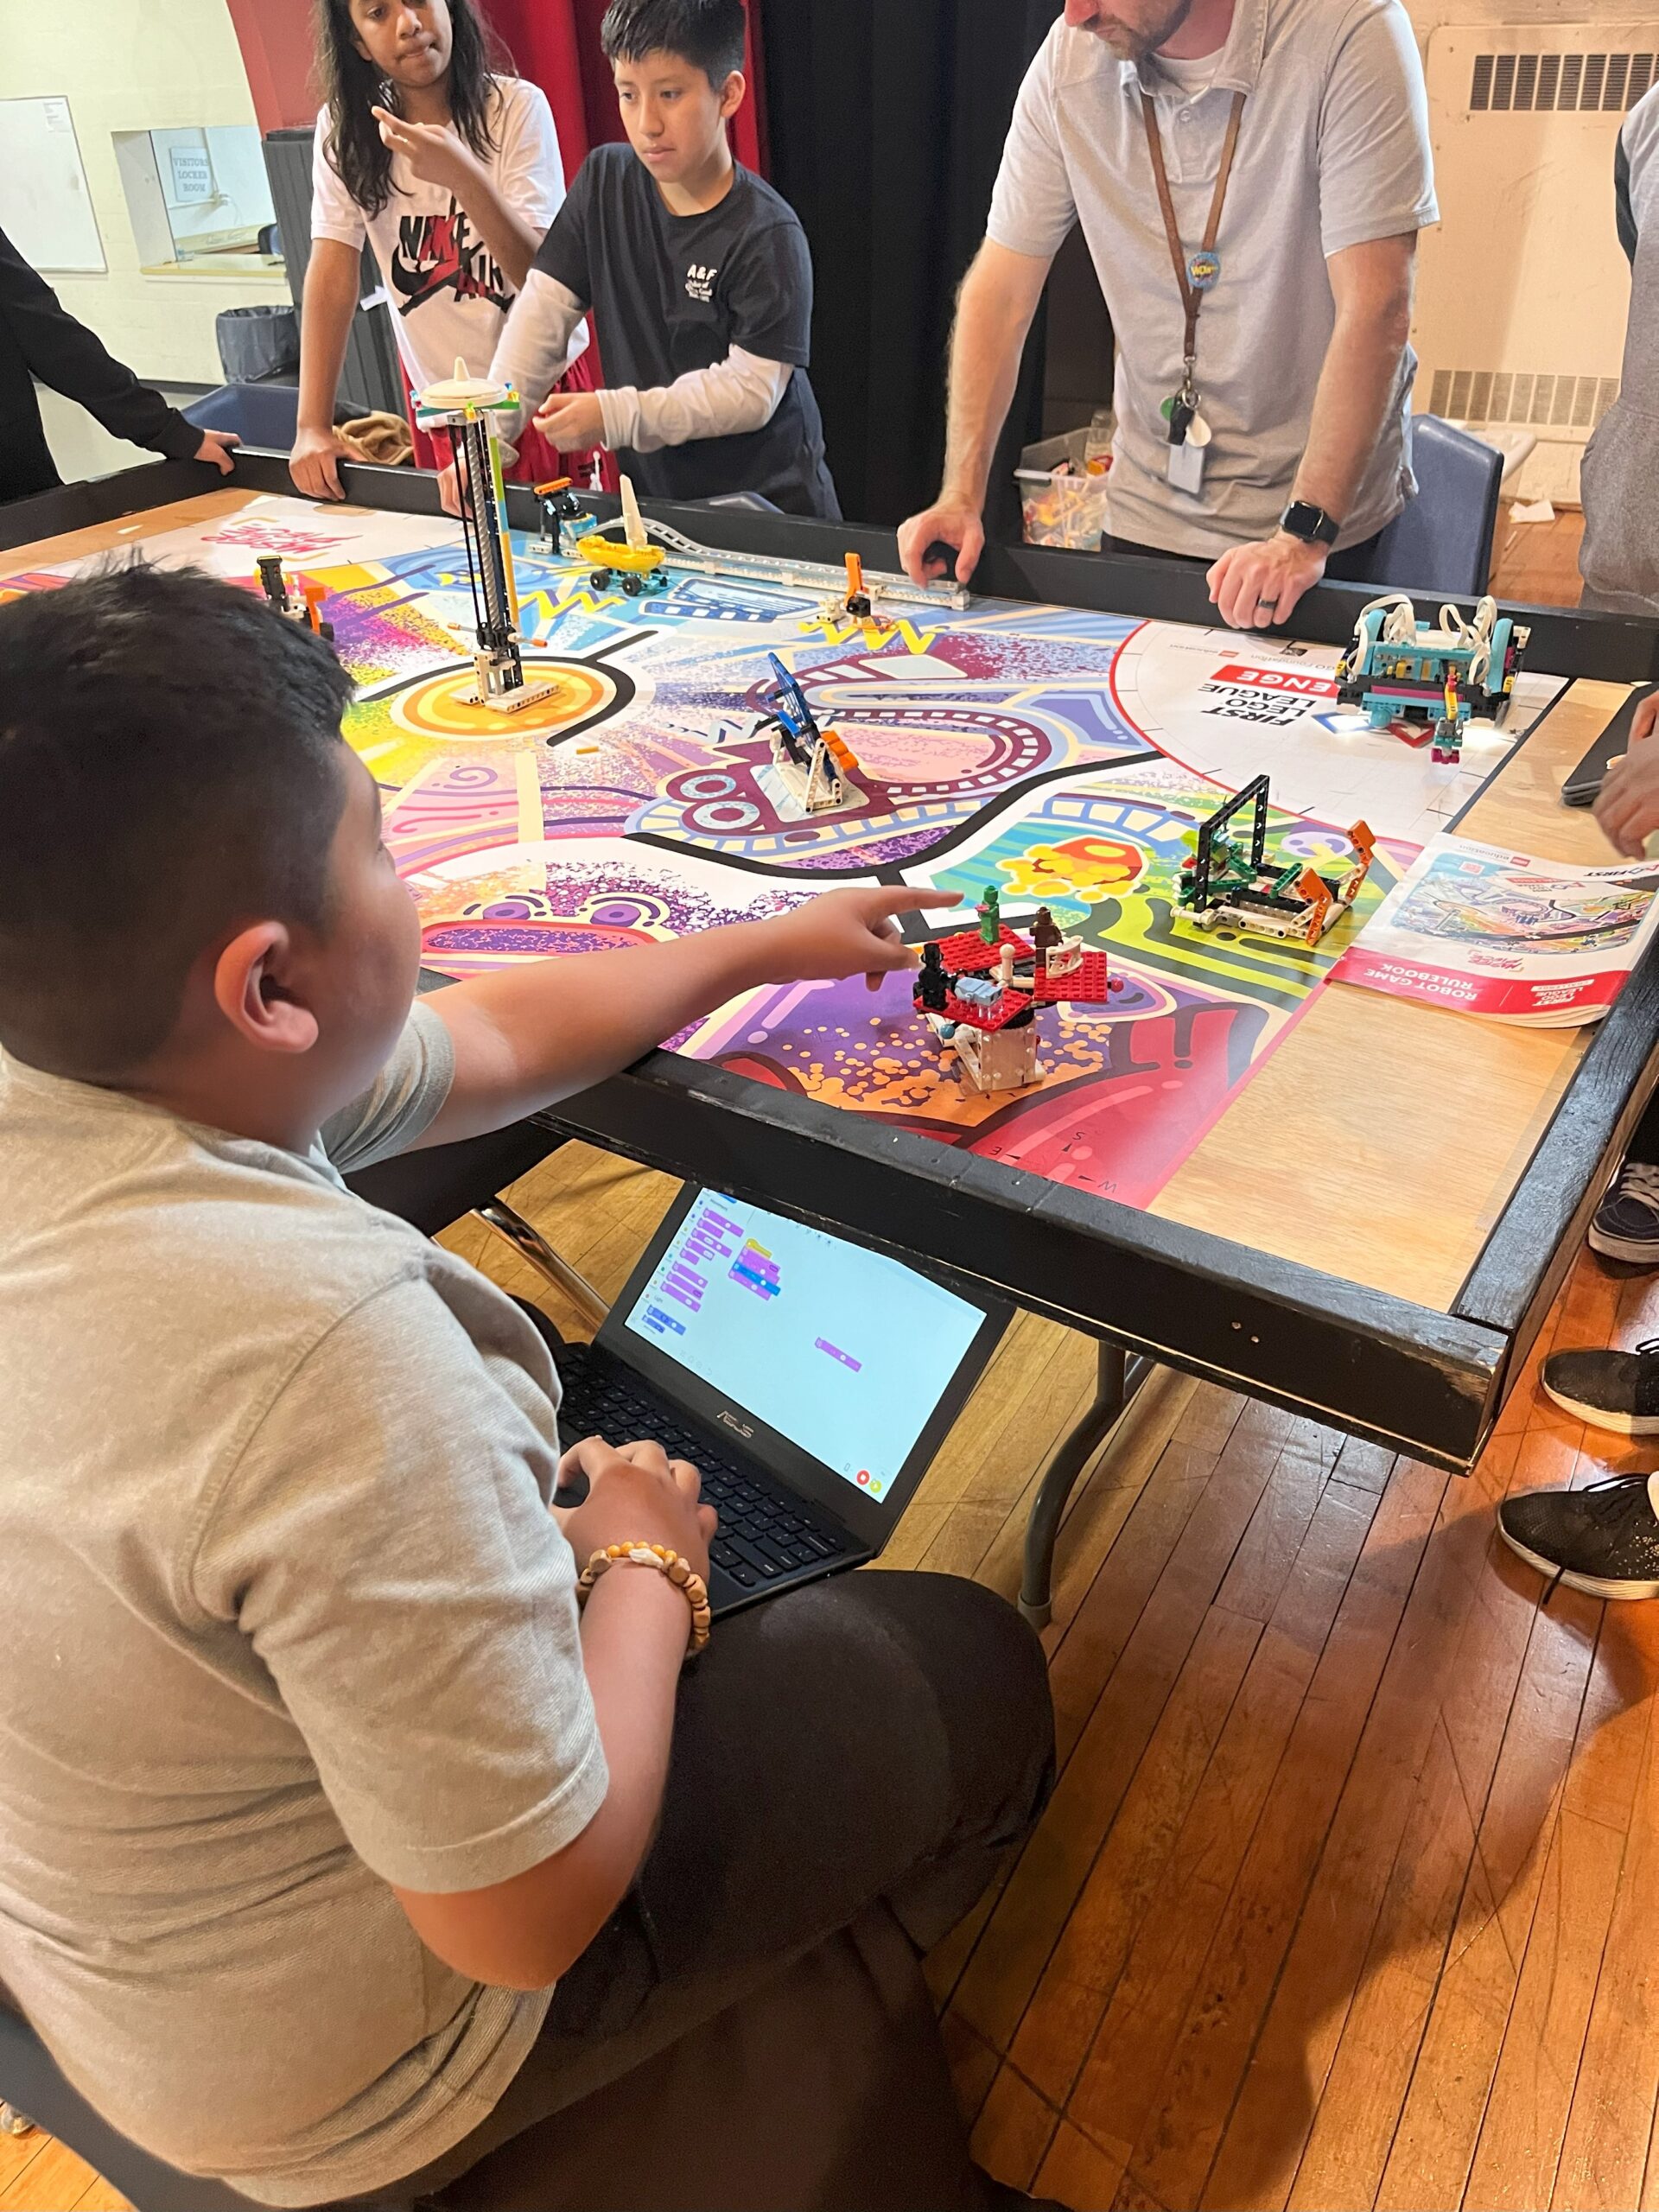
(845, 1353)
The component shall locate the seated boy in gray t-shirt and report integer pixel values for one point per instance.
(312, 1787)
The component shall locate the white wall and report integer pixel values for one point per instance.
(1426, 14)
(136, 64)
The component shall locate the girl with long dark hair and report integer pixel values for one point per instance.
(449, 168)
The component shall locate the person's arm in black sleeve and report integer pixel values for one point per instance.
(63, 353)
(1627, 233)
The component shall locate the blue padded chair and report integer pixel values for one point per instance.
(264, 415)
(1443, 541)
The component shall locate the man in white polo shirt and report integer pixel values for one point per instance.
(1251, 176)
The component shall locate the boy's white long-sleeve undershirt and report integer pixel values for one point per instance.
(545, 334)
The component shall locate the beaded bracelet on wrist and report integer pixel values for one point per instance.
(680, 1572)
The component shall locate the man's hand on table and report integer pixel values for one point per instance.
(1256, 586)
(1628, 809)
(953, 521)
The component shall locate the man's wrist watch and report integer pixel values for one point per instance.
(1301, 518)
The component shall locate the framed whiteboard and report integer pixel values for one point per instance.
(45, 209)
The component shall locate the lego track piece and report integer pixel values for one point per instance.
(809, 576)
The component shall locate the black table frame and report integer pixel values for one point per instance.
(1409, 1377)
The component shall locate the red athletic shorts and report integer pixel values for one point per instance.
(537, 463)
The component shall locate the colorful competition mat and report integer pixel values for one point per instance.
(1065, 756)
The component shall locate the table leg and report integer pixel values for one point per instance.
(1118, 1376)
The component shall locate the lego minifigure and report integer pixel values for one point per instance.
(932, 984)
(990, 915)
(1448, 731)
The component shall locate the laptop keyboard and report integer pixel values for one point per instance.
(764, 1534)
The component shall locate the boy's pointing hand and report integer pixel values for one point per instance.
(847, 933)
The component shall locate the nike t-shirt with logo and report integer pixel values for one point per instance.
(449, 296)
(673, 294)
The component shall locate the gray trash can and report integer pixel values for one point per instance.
(254, 343)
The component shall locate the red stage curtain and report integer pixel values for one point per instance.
(278, 63)
(555, 44)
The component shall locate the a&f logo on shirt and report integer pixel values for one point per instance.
(700, 285)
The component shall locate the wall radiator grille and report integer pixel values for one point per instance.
(1513, 396)
(1523, 84)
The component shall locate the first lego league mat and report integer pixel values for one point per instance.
(1065, 758)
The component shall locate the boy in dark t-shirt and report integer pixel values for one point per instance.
(698, 276)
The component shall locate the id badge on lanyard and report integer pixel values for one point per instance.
(1188, 433)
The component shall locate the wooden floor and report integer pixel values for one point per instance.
(1537, 563)
(1349, 1895)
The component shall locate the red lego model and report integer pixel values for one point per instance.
(982, 998)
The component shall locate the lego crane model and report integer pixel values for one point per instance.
(466, 407)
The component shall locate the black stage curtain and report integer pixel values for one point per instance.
(886, 121)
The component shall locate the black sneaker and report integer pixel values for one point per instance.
(1626, 1226)
(1604, 1541)
(1609, 1389)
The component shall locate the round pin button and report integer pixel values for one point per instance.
(1203, 269)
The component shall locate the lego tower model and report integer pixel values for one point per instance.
(467, 407)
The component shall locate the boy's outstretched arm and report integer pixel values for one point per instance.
(531, 1036)
(738, 394)
(545, 336)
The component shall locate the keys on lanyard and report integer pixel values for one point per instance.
(1180, 412)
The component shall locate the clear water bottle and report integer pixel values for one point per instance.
(1097, 450)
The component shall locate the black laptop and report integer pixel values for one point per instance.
(1583, 786)
(810, 1380)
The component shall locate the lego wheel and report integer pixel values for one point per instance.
(601, 580)
(634, 587)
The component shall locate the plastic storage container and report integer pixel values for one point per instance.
(1066, 507)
